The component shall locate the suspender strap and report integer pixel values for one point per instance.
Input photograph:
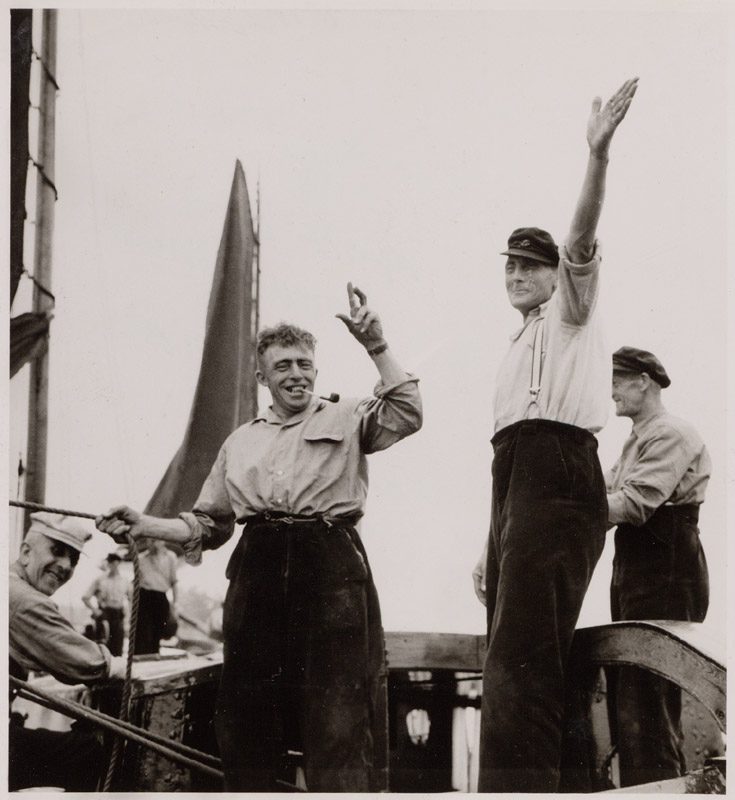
(535, 387)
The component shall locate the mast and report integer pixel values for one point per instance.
(45, 200)
(256, 269)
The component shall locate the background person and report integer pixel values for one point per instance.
(548, 520)
(157, 568)
(42, 640)
(110, 592)
(654, 492)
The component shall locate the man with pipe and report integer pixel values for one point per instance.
(549, 509)
(654, 490)
(303, 644)
(41, 639)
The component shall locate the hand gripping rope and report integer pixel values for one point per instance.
(121, 726)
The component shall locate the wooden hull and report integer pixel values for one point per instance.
(434, 688)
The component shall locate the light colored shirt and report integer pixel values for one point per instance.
(663, 461)
(312, 463)
(41, 639)
(110, 591)
(157, 571)
(575, 376)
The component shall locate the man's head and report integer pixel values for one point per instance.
(285, 356)
(531, 268)
(638, 377)
(50, 551)
(113, 563)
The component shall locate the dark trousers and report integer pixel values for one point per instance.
(547, 532)
(659, 572)
(68, 759)
(153, 611)
(114, 618)
(303, 661)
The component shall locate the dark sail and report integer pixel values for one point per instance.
(21, 23)
(28, 338)
(226, 392)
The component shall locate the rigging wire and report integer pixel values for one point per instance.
(172, 749)
(44, 67)
(38, 284)
(44, 177)
(50, 509)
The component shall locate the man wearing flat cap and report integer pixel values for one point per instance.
(41, 639)
(549, 512)
(659, 570)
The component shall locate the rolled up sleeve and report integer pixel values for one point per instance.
(578, 287)
(212, 521)
(41, 638)
(394, 412)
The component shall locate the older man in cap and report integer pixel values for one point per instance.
(548, 509)
(659, 571)
(41, 639)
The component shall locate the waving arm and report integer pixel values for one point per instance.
(601, 126)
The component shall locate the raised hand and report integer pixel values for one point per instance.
(362, 323)
(603, 121)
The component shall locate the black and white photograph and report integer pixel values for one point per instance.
(367, 412)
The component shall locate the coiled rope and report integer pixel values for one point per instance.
(124, 713)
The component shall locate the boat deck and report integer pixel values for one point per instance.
(434, 692)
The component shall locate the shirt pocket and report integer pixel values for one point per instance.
(324, 436)
(325, 456)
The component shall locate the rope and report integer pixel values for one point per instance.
(38, 284)
(44, 177)
(46, 70)
(127, 685)
(175, 751)
(40, 507)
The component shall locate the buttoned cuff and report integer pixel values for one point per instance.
(193, 545)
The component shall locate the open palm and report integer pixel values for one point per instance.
(604, 120)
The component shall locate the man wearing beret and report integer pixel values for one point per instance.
(548, 509)
(43, 640)
(659, 571)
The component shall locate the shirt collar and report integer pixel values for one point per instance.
(272, 418)
(19, 571)
(534, 314)
(640, 426)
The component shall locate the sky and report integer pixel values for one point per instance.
(396, 149)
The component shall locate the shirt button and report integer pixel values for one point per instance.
(279, 472)
(279, 500)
